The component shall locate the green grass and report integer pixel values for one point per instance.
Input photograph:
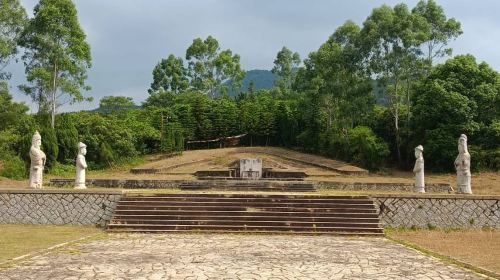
(18, 240)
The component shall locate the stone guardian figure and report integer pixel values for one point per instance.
(81, 165)
(462, 165)
(38, 159)
(419, 170)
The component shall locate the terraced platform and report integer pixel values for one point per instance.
(246, 213)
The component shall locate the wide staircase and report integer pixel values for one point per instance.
(246, 213)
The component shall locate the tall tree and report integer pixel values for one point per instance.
(434, 29)
(12, 21)
(57, 55)
(392, 50)
(284, 66)
(210, 68)
(170, 75)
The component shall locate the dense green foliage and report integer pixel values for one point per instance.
(368, 95)
(12, 21)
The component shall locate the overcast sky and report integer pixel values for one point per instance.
(128, 37)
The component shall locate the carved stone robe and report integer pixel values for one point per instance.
(419, 174)
(81, 165)
(38, 158)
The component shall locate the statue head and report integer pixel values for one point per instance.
(36, 141)
(418, 151)
(462, 144)
(82, 149)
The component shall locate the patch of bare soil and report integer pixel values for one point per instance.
(480, 248)
(6, 183)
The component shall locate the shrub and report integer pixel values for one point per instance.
(13, 167)
(366, 148)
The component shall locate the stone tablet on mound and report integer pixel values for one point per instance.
(251, 168)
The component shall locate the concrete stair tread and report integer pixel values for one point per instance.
(374, 234)
(294, 213)
(244, 200)
(244, 227)
(250, 204)
(243, 196)
(221, 217)
(235, 221)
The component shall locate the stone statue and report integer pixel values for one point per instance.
(419, 170)
(81, 165)
(38, 158)
(462, 165)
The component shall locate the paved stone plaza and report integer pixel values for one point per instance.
(200, 256)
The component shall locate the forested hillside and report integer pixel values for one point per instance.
(325, 103)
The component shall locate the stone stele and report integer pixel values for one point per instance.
(419, 169)
(251, 168)
(462, 165)
(81, 165)
(38, 158)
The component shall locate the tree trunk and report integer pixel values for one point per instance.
(54, 91)
(396, 120)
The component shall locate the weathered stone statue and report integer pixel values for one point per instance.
(462, 165)
(81, 165)
(38, 158)
(419, 170)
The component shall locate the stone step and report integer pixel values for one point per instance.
(243, 228)
(238, 204)
(244, 200)
(263, 232)
(250, 217)
(242, 196)
(235, 222)
(239, 213)
(248, 209)
(251, 189)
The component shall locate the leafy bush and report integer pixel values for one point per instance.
(366, 148)
(12, 167)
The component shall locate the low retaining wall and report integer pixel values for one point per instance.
(57, 207)
(116, 183)
(357, 186)
(446, 211)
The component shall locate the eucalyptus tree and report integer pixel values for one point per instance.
(209, 68)
(13, 18)
(285, 64)
(170, 75)
(392, 50)
(434, 29)
(57, 56)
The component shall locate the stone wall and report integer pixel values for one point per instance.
(363, 186)
(446, 211)
(57, 207)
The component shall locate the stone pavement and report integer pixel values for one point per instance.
(207, 256)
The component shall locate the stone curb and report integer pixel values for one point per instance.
(440, 257)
